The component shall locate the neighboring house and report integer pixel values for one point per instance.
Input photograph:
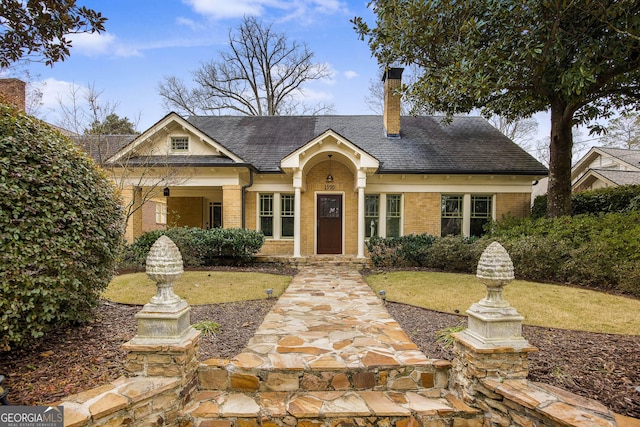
(606, 167)
(324, 184)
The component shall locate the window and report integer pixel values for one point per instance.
(276, 215)
(451, 215)
(286, 215)
(215, 215)
(481, 214)
(394, 213)
(179, 144)
(161, 213)
(266, 214)
(371, 215)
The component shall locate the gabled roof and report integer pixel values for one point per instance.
(102, 147)
(427, 144)
(612, 178)
(162, 126)
(629, 158)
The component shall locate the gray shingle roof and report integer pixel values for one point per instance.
(101, 147)
(620, 177)
(178, 161)
(427, 145)
(629, 156)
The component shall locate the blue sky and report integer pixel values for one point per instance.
(148, 39)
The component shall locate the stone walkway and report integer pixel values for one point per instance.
(329, 318)
(328, 350)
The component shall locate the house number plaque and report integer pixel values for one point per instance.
(329, 186)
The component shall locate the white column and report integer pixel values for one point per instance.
(297, 214)
(360, 222)
(466, 215)
(361, 184)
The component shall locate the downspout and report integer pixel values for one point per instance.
(244, 196)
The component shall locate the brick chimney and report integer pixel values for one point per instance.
(13, 91)
(392, 79)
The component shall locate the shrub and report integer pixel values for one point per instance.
(61, 228)
(198, 247)
(600, 251)
(408, 251)
(454, 253)
(603, 200)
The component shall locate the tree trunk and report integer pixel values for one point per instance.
(560, 148)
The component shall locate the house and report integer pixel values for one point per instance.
(324, 184)
(606, 167)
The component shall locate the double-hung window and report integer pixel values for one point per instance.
(287, 208)
(394, 214)
(266, 214)
(371, 215)
(451, 215)
(382, 215)
(465, 214)
(481, 214)
(276, 214)
(161, 213)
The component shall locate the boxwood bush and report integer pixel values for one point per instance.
(198, 247)
(60, 230)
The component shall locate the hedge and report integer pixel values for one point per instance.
(60, 230)
(603, 200)
(198, 247)
(600, 251)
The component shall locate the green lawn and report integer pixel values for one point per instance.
(199, 287)
(541, 304)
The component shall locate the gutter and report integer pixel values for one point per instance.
(244, 196)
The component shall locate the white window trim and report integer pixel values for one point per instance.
(170, 144)
(466, 210)
(277, 215)
(382, 213)
(161, 213)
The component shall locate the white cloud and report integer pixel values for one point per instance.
(350, 74)
(190, 23)
(293, 9)
(95, 44)
(329, 6)
(314, 96)
(221, 9)
(56, 91)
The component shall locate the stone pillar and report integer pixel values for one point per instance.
(492, 346)
(166, 345)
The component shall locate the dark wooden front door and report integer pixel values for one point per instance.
(329, 224)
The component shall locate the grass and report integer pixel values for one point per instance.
(541, 304)
(199, 287)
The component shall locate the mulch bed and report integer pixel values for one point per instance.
(600, 366)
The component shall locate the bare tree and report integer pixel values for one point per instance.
(262, 74)
(541, 151)
(375, 99)
(623, 131)
(86, 115)
(522, 131)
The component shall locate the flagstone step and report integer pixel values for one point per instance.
(329, 408)
(226, 375)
